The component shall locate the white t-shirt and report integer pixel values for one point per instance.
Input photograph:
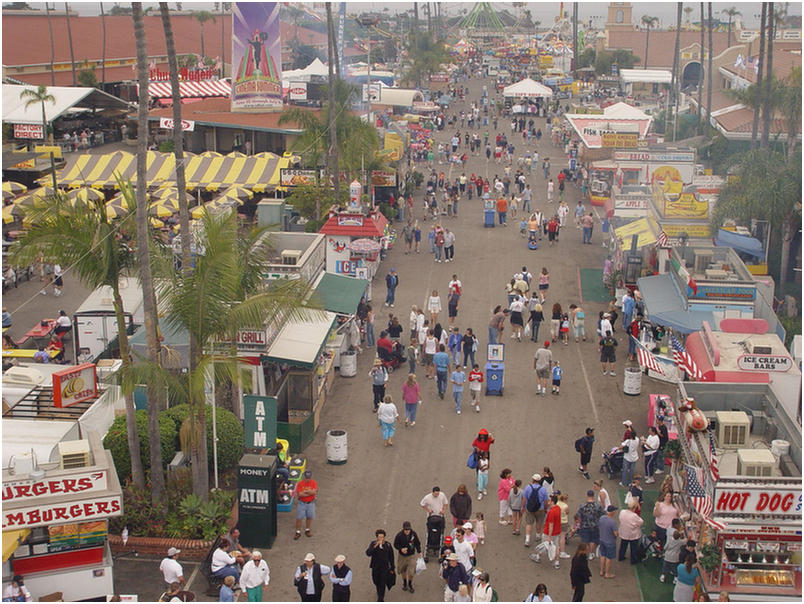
(631, 449)
(387, 412)
(652, 444)
(464, 551)
(171, 570)
(605, 326)
(434, 304)
(64, 321)
(434, 503)
(220, 559)
(420, 324)
(455, 284)
(430, 345)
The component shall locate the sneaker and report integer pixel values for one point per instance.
(649, 481)
(527, 543)
(477, 408)
(412, 424)
(661, 578)
(479, 496)
(485, 492)
(590, 556)
(658, 471)
(586, 475)
(605, 372)
(581, 470)
(564, 555)
(610, 372)
(459, 411)
(556, 565)
(535, 557)
(503, 522)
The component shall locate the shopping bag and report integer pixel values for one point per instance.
(471, 462)
(420, 566)
(527, 330)
(551, 550)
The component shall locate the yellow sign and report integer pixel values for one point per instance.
(622, 140)
(670, 176)
(696, 231)
(686, 206)
(545, 60)
(48, 149)
(642, 228)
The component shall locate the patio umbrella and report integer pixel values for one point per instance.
(156, 223)
(236, 154)
(166, 191)
(36, 197)
(364, 246)
(15, 188)
(215, 205)
(8, 214)
(116, 207)
(210, 154)
(85, 195)
(164, 208)
(237, 192)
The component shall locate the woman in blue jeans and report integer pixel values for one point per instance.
(469, 347)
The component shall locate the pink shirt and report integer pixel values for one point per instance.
(504, 488)
(630, 525)
(411, 394)
(664, 514)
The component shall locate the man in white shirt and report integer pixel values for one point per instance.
(463, 549)
(255, 575)
(631, 448)
(605, 325)
(435, 503)
(171, 569)
(651, 451)
(224, 565)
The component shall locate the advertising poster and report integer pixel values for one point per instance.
(256, 57)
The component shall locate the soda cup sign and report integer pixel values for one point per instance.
(355, 191)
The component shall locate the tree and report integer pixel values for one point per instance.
(765, 187)
(767, 105)
(605, 59)
(648, 22)
(143, 247)
(70, 40)
(202, 16)
(334, 170)
(80, 236)
(675, 78)
(41, 96)
(223, 293)
(730, 12)
(710, 56)
(425, 56)
(87, 77)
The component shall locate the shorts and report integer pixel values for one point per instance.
(533, 517)
(589, 535)
(505, 508)
(586, 458)
(406, 565)
(670, 568)
(544, 285)
(428, 359)
(557, 383)
(452, 310)
(305, 509)
(607, 356)
(543, 374)
(608, 550)
(475, 394)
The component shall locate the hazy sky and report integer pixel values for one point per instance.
(542, 11)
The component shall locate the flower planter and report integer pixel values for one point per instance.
(191, 549)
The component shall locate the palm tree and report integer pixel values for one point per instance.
(103, 43)
(730, 12)
(202, 16)
(760, 72)
(767, 108)
(648, 22)
(223, 293)
(709, 71)
(70, 39)
(143, 247)
(81, 237)
(41, 96)
(52, 48)
(701, 76)
(675, 78)
(688, 12)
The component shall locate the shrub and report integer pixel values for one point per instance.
(230, 433)
(166, 146)
(116, 441)
(140, 515)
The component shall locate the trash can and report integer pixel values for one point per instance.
(495, 378)
(336, 447)
(488, 218)
(348, 364)
(632, 382)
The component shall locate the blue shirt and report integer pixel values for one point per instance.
(607, 527)
(454, 342)
(441, 361)
(529, 489)
(685, 577)
(628, 305)
(227, 595)
(557, 372)
(459, 377)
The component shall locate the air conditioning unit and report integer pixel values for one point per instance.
(74, 454)
(733, 428)
(30, 376)
(702, 262)
(755, 462)
(291, 257)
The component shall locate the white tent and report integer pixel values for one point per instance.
(316, 68)
(67, 97)
(527, 88)
(624, 110)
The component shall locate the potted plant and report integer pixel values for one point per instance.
(710, 557)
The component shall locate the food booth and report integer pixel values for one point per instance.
(340, 230)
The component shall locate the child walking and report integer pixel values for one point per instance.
(475, 380)
(480, 527)
(557, 373)
(412, 354)
(564, 329)
(482, 473)
(523, 227)
(515, 501)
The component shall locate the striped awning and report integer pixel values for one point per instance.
(99, 170)
(216, 173)
(188, 90)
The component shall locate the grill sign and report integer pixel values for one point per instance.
(75, 385)
(770, 362)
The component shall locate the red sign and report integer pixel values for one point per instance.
(57, 513)
(28, 131)
(77, 482)
(191, 75)
(75, 385)
(166, 123)
(758, 500)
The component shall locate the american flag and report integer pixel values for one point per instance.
(699, 498)
(713, 456)
(684, 360)
(646, 359)
(662, 240)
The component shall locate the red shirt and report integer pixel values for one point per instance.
(561, 177)
(483, 445)
(476, 376)
(386, 344)
(552, 226)
(307, 484)
(502, 204)
(552, 522)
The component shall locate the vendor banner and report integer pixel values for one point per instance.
(293, 178)
(626, 140)
(256, 56)
(383, 178)
(32, 131)
(686, 206)
(764, 499)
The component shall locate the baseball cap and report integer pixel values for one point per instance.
(448, 539)
(590, 493)
(536, 477)
(340, 558)
(627, 423)
(309, 557)
(466, 525)
(547, 343)
(172, 551)
(307, 473)
(611, 508)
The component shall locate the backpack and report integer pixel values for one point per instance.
(579, 444)
(534, 504)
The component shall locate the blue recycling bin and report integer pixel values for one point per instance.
(495, 378)
(488, 218)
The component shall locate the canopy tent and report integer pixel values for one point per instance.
(97, 170)
(340, 294)
(215, 173)
(646, 76)
(190, 90)
(527, 88)
(315, 68)
(300, 341)
(399, 97)
(67, 97)
(741, 243)
(624, 110)
(666, 306)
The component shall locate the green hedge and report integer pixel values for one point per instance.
(117, 442)
(230, 433)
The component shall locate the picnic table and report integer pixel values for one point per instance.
(40, 332)
(26, 353)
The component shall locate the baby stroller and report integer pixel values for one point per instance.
(435, 531)
(394, 359)
(612, 462)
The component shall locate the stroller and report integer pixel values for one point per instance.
(612, 462)
(435, 531)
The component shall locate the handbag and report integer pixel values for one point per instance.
(629, 499)
(390, 579)
(421, 566)
(471, 462)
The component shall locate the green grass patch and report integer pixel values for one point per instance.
(592, 288)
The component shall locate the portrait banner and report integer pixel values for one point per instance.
(256, 57)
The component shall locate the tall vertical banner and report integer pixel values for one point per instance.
(256, 57)
(341, 24)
